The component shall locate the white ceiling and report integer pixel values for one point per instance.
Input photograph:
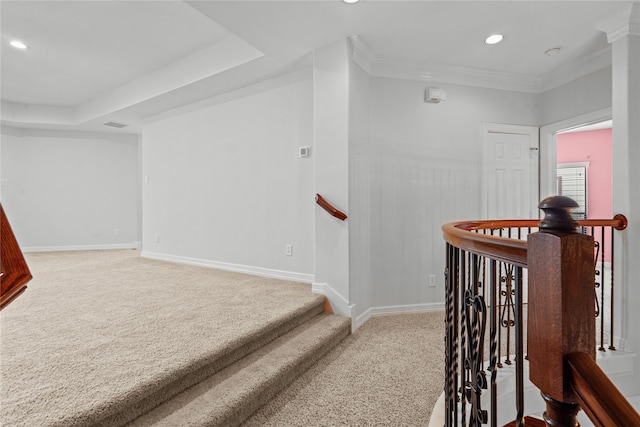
(90, 62)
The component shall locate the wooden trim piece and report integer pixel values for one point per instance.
(329, 208)
(14, 272)
(597, 395)
(619, 222)
(529, 422)
(460, 235)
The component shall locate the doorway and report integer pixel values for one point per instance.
(584, 158)
(509, 171)
(548, 146)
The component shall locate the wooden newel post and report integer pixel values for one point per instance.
(561, 306)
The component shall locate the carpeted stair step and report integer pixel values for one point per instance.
(173, 382)
(233, 394)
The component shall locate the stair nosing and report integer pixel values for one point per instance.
(258, 396)
(132, 406)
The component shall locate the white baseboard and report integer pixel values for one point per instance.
(360, 320)
(133, 245)
(408, 308)
(239, 268)
(339, 304)
(395, 309)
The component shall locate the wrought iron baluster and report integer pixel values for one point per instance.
(454, 282)
(600, 273)
(611, 343)
(493, 363)
(519, 347)
(476, 319)
(463, 341)
(498, 307)
(507, 308)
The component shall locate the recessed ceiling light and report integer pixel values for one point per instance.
(18, 44)
(494, 39)
(350, 1)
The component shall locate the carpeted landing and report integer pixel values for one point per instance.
(106, 338)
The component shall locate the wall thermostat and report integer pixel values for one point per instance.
(305, 151)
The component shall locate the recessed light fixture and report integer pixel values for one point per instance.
(350, 1)
(494, 39)
(18, 44)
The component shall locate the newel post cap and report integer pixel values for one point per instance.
(557, 214)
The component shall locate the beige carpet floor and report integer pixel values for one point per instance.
(95, 329)
(388, 373)
(111, 340)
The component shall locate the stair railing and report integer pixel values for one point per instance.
(14, 272)
(487, 277)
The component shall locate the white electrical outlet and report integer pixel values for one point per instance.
(288, 251)
(116, 232)
(432, 280)
(157, 238)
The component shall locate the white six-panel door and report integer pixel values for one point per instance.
(510, 171)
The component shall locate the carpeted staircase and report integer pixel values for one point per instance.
(234, 392)
(112, 339)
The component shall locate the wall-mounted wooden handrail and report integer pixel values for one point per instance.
(329, 208)
(14, 272)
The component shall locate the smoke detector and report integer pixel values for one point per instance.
(434, 95)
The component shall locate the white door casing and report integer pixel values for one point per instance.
(510, 183)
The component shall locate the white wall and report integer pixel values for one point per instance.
(626, 178)
(70, 190)
(426, 171)
(226, 187)
(331, 159)
(581, 96)
(360, 196)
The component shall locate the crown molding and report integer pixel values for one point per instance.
(437, 73)
(363, 56)
(625, 22)
(576, 69)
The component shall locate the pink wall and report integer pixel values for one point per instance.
(593, 147)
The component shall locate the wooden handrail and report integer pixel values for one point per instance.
(619, 222)
(14, 272)
(329, 208)
(559, 257)
(459, 234)
(597, 395)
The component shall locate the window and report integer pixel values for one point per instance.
(572, 182)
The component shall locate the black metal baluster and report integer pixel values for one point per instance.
(476, 327)
(453, 331)
(600, 272)
(493, 343)
(519, 347)
(498, 307)
(611, 343)
(463, 341)
(449, 390)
